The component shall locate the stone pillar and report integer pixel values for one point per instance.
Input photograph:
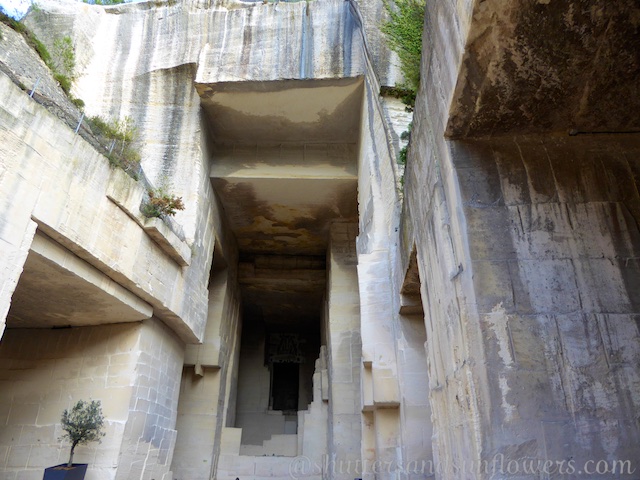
(416, 457)
(149, 434)
(313, 422)
(381, 392)
(344, 352)
(208, 389)
(197, 424)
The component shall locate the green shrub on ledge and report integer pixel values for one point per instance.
(161, 203)
(403, 31)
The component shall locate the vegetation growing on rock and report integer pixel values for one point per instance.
(402, 155)
(121, 137)
(61, 62)
(29, 37)
(161, 203)
(403, 31)
(63, 59)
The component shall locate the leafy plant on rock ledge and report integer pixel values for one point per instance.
(63, 62)
(403, 31)
(161, 203)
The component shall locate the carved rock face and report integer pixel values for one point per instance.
(549, 66)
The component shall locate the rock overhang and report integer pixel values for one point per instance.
(58, 289)
(283, 111)
(285, 161)
(541, 66)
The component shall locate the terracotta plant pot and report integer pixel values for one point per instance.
(62, 472)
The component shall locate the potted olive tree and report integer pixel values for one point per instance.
(82, 424)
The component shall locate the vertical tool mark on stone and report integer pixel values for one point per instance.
(223, 44)
(306, 49)
(347, 38)
(246, 43)
(605, 345)
(562, 371)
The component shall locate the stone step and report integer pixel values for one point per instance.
(280, 445)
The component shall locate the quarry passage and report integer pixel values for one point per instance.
(318, 310)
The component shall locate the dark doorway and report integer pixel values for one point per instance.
(285, 382)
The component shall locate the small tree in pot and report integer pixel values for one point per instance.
(83, 423)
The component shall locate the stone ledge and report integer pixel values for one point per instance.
(59, 289)
(386, 393)
(411, 305)
(206, 354)
(168, 241)
(128, 195)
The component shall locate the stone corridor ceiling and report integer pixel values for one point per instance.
(285, 161)
(549, 65)
(284, 291)
(286, 111)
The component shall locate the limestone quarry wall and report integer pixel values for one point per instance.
(134, 369)
(526, 249)
(45, 166)
(547, 335)
(55, 182)
(560, 289)
(133, 58)
(140, 64)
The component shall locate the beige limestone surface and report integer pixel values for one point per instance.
(525, 248)
(519, 253)
(46, 165)
(133, 369)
